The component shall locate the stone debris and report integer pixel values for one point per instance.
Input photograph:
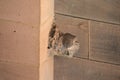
(62, 44)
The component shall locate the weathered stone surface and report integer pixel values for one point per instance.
(102, 10)
(19, 39)
(25, 11)
(105, 42)
(81, 69)
(62, 44)
(19, 43)
(16, 71)
(78, 28)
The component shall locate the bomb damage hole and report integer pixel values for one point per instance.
(62, 44)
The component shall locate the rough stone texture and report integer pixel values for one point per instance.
(63, 44)
(102, 10)
(93, 23)
(77, 27)
(82, 69)
(105, 42)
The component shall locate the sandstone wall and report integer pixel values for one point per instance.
(19, 39)
(96, 23)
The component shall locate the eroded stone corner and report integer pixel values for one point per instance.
(62, 44)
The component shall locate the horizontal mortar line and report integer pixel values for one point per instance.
(86, 18)
(96, 61)
(19, 22)
(3, 61)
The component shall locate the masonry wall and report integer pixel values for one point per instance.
(19, 39)
(23, 44)
(96, 23)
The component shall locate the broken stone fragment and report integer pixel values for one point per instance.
(62, 44)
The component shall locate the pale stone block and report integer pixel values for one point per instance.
(25, 11)
(46, 20)
(101, 10)
(105, 42)
(46, 60)
(82, 69)
(46, 10)
(13, 71)
(19, 43)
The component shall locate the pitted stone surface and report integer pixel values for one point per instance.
(64, 44)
